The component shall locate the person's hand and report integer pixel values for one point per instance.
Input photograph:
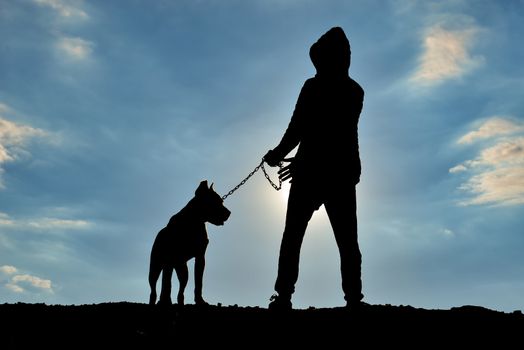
(272, 158)
(288, 171)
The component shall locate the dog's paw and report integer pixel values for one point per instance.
(180, 299)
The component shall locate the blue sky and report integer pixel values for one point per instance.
(112, 112)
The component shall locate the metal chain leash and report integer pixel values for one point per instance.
(261, 165)
(268, 179)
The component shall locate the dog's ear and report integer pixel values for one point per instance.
(211, 187)
(201, 188)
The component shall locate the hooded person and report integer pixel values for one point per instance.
(324, 126)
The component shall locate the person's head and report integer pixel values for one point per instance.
(331, 54)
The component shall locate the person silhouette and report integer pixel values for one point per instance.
(326, 167)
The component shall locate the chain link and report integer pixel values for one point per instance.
(261, 165)
(268, 179)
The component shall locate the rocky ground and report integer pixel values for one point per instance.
(141, 326)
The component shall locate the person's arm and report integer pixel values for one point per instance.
(293, 134)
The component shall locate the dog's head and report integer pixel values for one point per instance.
(212, 204)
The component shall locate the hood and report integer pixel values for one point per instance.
(331, 54)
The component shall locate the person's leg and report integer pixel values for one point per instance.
(299, 211)
(341, 208)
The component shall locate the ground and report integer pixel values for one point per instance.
(139, 325)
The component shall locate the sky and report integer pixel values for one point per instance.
(112, 112)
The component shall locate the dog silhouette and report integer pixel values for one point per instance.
(184, 238)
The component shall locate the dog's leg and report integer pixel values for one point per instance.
(154, 273)
(165, 293)
(200, 264)
(182, 274)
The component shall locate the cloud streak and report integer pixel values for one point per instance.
(496, 175)
(77, 49)
(51, 223)
(63, 8)
(74, 49)
(446, 55)
(43, 223)
(493, 127)
(14, 139)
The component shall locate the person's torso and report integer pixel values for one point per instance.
(329, 132)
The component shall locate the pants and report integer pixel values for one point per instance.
(341, 207)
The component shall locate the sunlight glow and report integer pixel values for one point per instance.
(284, 192)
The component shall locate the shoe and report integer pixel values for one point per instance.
(356, 305)
(279, 303)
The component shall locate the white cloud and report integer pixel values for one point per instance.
(64, 8)
(446, 55)
(37, 282)
(43, 223)
(502, 186)
(32, 280)
(494, 126)
(15, 135)
(458, 169)
(14, 139)
(75, 48)
(497, 173)
(14, 283)
(8, 269)
(506, 152)
(4, 154)
(14, 288)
